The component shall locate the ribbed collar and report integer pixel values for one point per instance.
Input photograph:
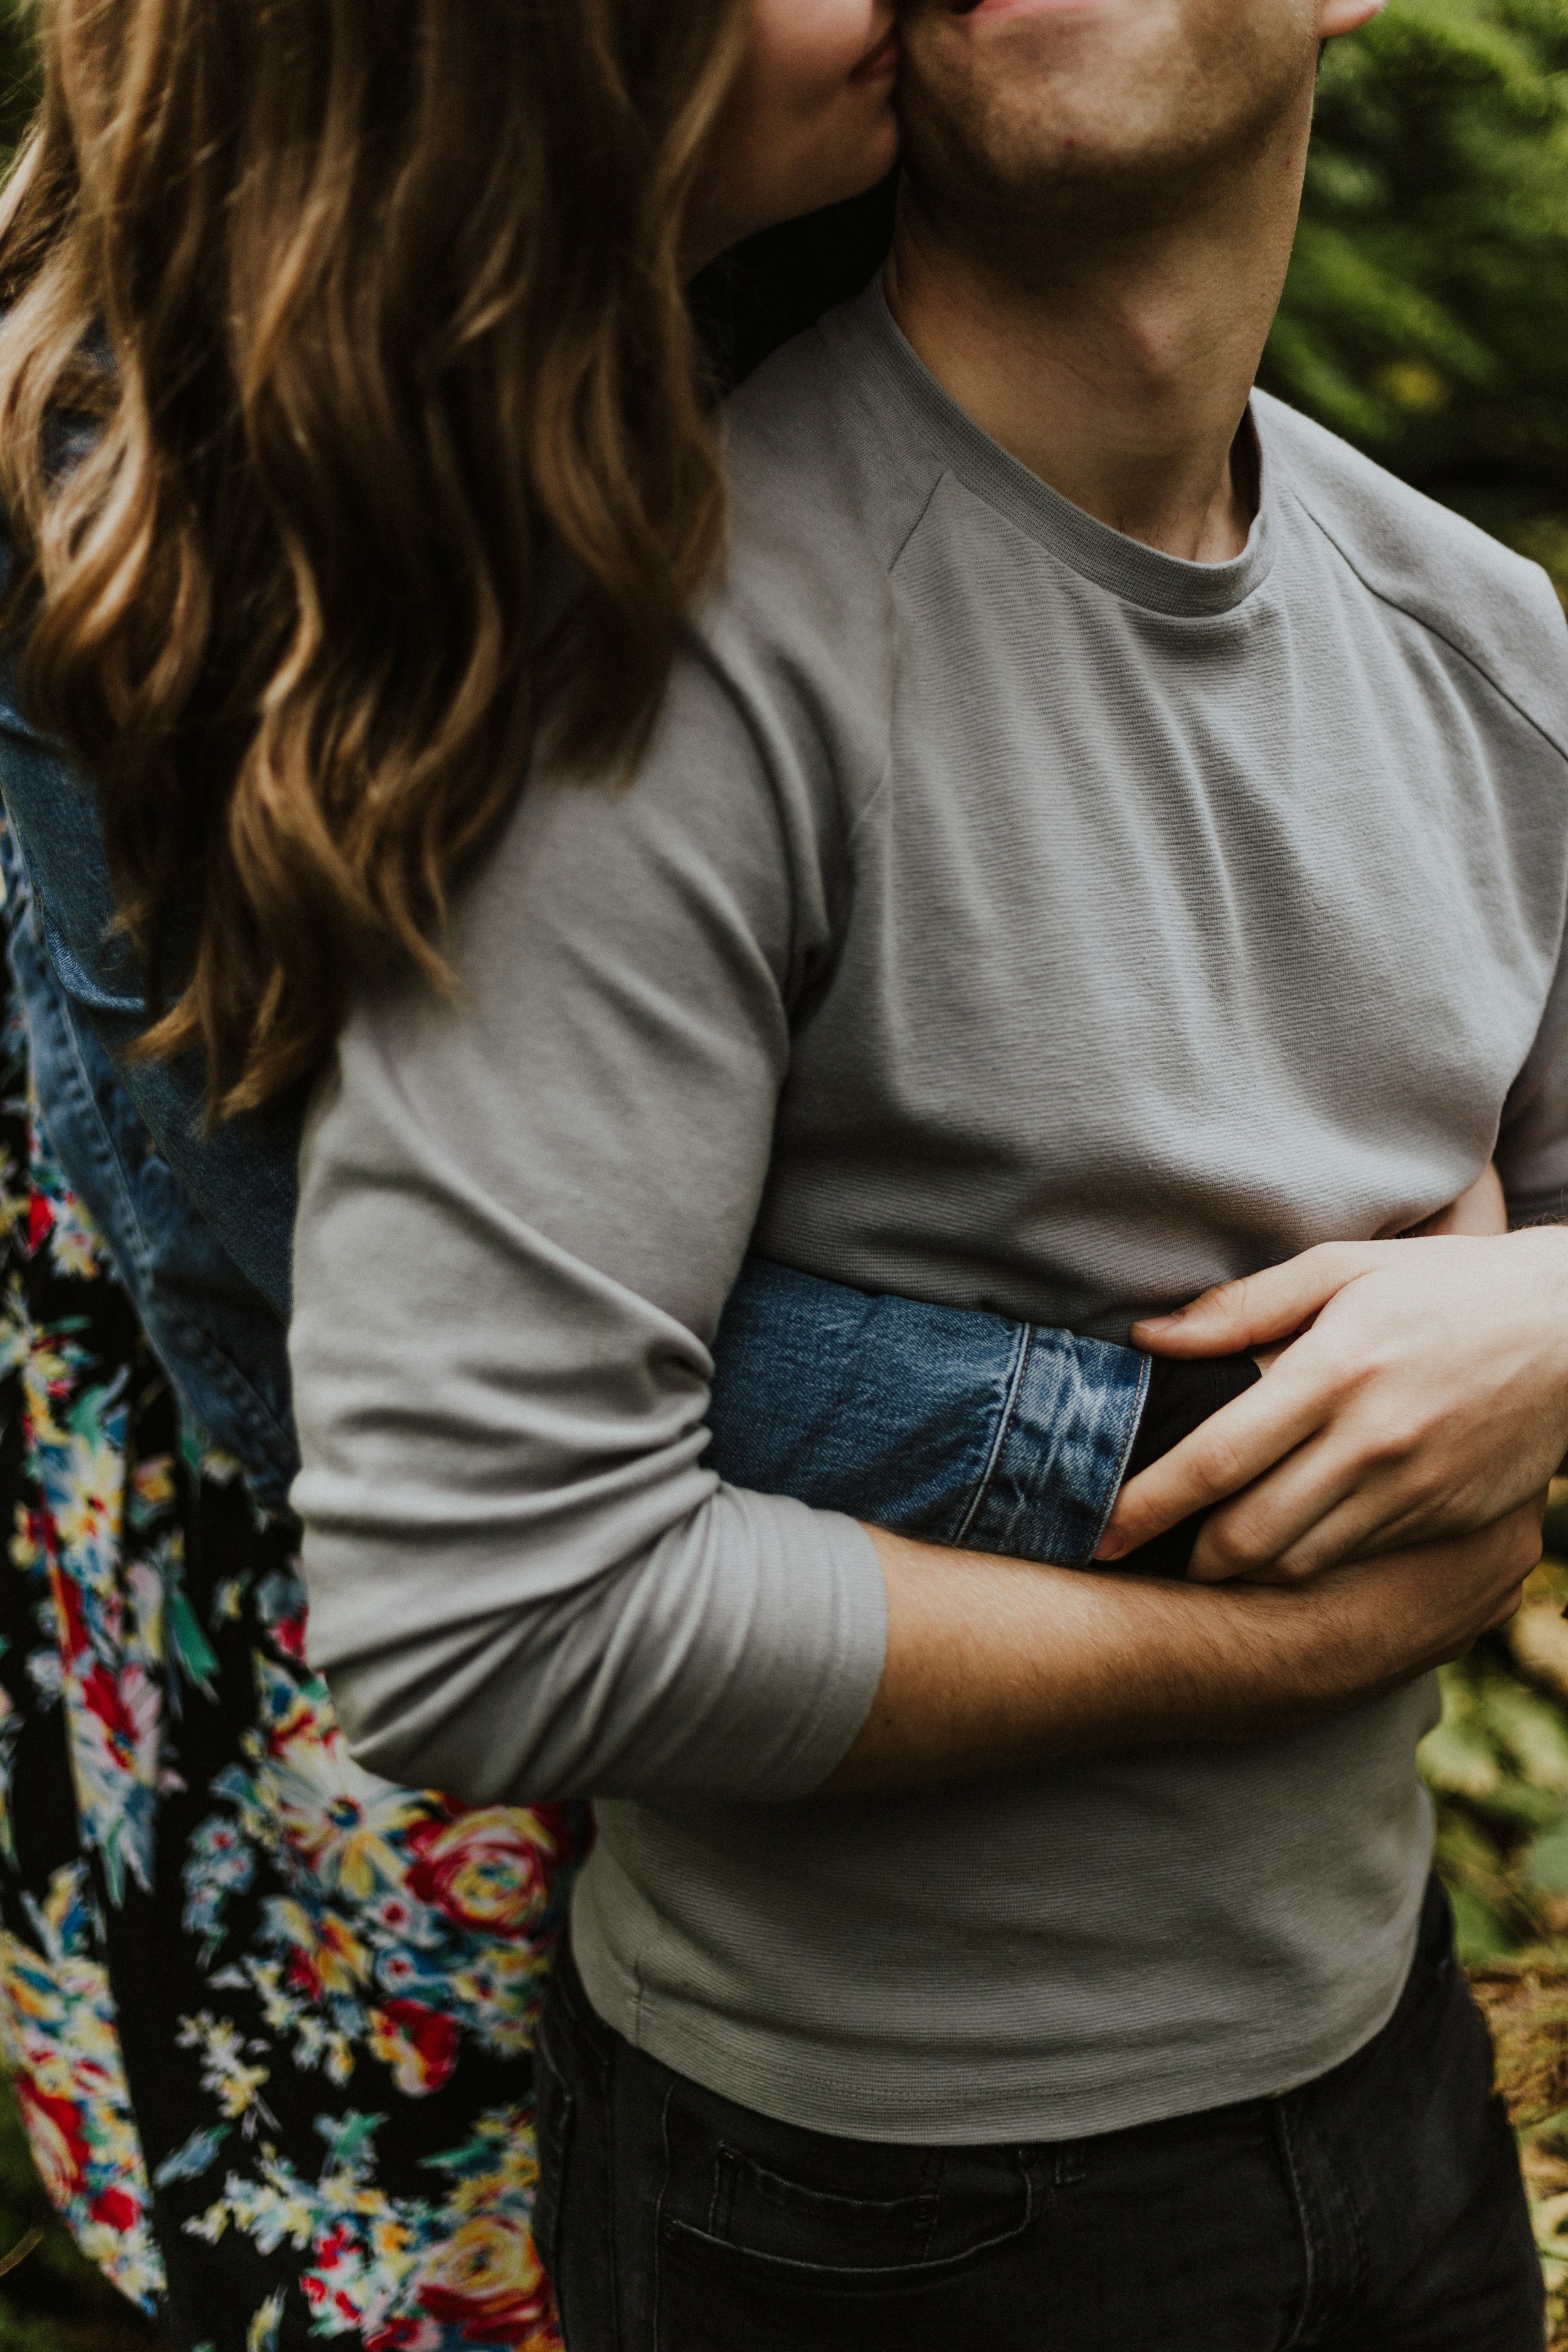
(868, 342)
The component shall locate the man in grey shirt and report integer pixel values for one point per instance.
(1104, 835)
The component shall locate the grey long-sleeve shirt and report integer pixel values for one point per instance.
(1015, 917)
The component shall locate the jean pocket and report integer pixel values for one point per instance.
(783, 2264)
(765, 2212)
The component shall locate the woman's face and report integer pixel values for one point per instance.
(809, 120)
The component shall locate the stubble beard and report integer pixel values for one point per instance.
(1021, 168)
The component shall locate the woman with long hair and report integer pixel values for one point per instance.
(353, 429)
(357, 465)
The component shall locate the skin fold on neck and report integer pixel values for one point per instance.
(1113, 351)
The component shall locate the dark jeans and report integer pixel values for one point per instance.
(1377, 2210)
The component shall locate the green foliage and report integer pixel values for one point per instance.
(1427, 312)
(1498, 1765)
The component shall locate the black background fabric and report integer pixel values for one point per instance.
(1181, 1396)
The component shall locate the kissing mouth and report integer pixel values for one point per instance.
(880, 63)
(992, 10)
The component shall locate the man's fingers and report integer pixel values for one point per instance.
(1288, 1541)
(1272, 1304)
(1236, 1445)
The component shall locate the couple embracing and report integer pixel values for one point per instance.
(1094, 842)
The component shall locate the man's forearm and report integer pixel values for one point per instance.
(997, 1666)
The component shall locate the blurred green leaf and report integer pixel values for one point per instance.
(1529, 1731)
(1480, 1934)
(1427, 312)
(1546, 1861)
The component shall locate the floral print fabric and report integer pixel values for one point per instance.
(269, 2019)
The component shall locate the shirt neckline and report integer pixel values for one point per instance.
(867, 331)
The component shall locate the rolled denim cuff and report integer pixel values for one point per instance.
(944, 1423)
(1061, 1449)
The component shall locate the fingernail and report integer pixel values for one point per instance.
(1161, 1322)
(1112, 1544)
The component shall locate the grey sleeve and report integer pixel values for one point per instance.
(523, 1210)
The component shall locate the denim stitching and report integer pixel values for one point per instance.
(723, 2193)
(1134, 1423)
(1310, 2251)
(659, 2228)
(1003, 1423)
(272, 1441)
(943, 2266)
(930, 2190)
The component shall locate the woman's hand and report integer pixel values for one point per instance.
(1428, 1398)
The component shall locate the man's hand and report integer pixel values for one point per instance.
(995, 1665)
(1429, 1397)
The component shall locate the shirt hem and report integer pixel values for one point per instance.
(949, 2109)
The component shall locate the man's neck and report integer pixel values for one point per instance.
(1119, 367)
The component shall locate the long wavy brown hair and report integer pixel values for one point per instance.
(399, 456)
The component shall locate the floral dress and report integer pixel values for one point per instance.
(268, 2018)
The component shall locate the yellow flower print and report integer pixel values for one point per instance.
(265, 2321)
(224, 2074)
(153, 1484)
(60, 2045)
(324, 1954)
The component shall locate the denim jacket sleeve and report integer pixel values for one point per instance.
(242, 1176)
(957, 1426)
(200, 1227)
(937, 1422)
(221, 1344)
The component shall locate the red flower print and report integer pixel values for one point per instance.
(396, 2334)
(488, 1870)
(40, 1221)
(418, 2043)
(116, 2207)
(55, 2135)
(487, 2280)
(73, 1633)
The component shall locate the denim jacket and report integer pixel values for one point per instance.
(961, 1427)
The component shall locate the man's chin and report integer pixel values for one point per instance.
(1090, 112)
(1022, 103)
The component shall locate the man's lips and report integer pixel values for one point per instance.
(990, 11)
(881, 62)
